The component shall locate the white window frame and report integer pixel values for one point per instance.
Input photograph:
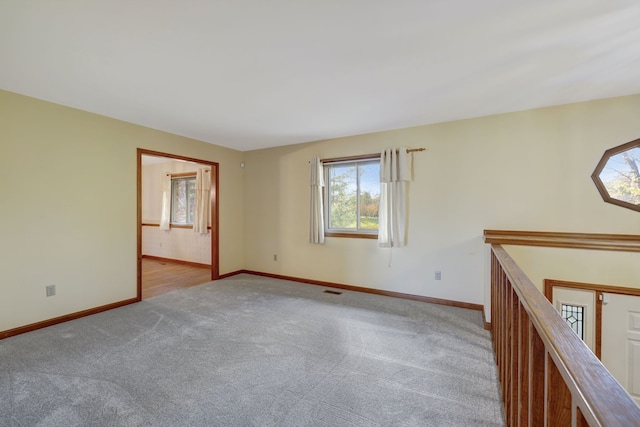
(350, 232)
(180, 177)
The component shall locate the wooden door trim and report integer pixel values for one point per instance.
(215, 211)
(549, 284)
(622, 290)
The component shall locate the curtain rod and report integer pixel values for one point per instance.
(364, 156)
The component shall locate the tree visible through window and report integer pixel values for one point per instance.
(617, 175)
(183, 200)
(352, 195)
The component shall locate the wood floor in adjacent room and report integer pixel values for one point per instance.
(159, 277)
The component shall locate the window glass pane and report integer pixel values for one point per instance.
(369, 194)
(342, 197)
(621, 176)
(352, 196)
(574, 316)
(183, 197)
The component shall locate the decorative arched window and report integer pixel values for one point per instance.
(617, 175)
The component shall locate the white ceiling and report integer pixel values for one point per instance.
(251, 74)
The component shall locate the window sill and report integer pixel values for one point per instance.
(352, 235)
(181, 225)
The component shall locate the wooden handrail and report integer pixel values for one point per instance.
(608, 242)
(547, 373)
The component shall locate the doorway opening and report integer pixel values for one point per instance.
(175, 256)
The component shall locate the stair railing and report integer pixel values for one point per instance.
(548, 376)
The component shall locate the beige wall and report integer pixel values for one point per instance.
(68, 177)
(574, 265)
(68, 211)
(527, 171)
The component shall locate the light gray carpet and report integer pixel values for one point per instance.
(253, 351)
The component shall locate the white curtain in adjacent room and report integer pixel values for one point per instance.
(316, 220)
(395, 174)
(203, 191)
(165, 213)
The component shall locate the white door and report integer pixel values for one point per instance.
(621, 340)
(577, 307)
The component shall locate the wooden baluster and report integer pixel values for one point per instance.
(537, 356)
(558, 397)
(515, 338)
(524, 325)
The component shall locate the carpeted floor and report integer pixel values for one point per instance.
(253, 351)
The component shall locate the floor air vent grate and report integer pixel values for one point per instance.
(332, 292)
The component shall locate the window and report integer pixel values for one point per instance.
(574, 316)
(352, 193)
(617, 175)
(183, 199)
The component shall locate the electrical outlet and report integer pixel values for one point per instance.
(438, 275)
(275, 257)
(51, 290)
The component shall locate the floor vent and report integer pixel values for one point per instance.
(332, 292)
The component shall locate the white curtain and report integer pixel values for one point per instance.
(165, 213)
(316, 219)
(395, 174)
(203, 191)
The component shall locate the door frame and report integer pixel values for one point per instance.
(215, 212)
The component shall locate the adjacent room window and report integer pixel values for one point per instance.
(183, 199)
(352, 194)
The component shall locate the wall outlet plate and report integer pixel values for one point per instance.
(51, 290)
